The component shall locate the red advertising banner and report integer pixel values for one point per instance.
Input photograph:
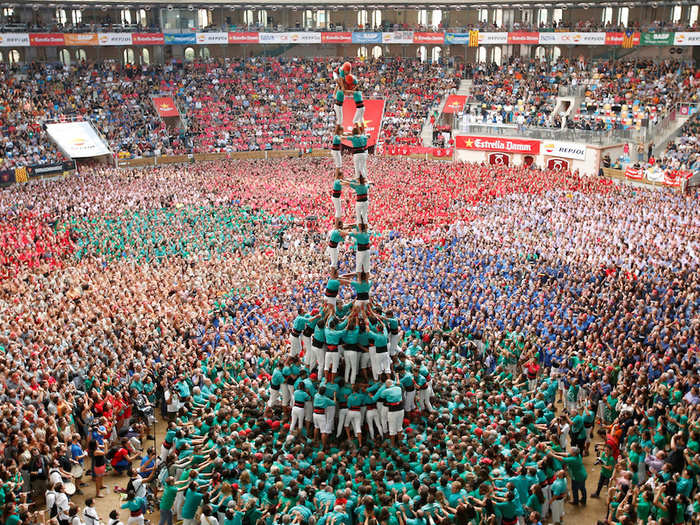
(374, 112)
(530, 147)
(524, 38)
(46, 39)
(147, 39)
(454, 104)
(616, 39)
(243, 38)
(342, 37)
(558, 165)
(428, 38)
(406, 150)
(165, 106)
(499, 159)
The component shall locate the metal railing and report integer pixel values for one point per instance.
(598, 138)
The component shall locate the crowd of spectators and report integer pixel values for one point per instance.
(619, 95)
(544, 307)
(683, 153)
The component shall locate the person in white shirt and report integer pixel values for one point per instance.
(90, 515)
(207, 517)
(62, 505)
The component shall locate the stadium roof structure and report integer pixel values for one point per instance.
(344, 4)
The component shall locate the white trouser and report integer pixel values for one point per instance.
(364, 360)
(320, 359)
(330, 418)
(165, 452)
(363, 158)
(333, 252)
(331, 301)
(331, 361)
(372, 420)
(362, 261)
(394, 344)
(337, 207)
(361, 208)
(297, 418)
(354, 419)
(547, 493)
(374, 362)
(557, 510)
(409, 404)
(308, 410)
(274, 397)
(395, 422)
(342, 417)
(321, 423)
(359, 115)
(352, 361)
(309, 354)
(296, 346)
(179, 502)
(424, 400)
(384, 362)
(337, 158)
(136, 520)
(338, 108)
(383, 416)
(287, 394)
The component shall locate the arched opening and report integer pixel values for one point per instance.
(262, 18)
(377, 51)
(307, 19)
(435, 54)
(556, 53)
(483, 16)
(321, 19)
(142, 18)
(125, 17)
(676, 14)
(13, 57)
(423, 17)
(497, 55)
(362, 18)
(76, 17)
(145, 56)
(61, 17)
(377, 18)
(693, 15)
(623, 15)
(481, 55)
(64, 57)
(128, 56)
(557, 15)
(248, 17)
(541, 53)
(497, 17)
(422, 53)
(80, 55)
(542, 16)
(436, 18)
(203, 18)
(189, 54)
(606, 17)
(362, 52)
(204, 53)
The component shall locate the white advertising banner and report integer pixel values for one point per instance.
(686, 39)
(573, 39)
(14, 39)
(486, 39)
(77, 139)
(290, 38)
(114, 39)
(567, 150)
(212, 38)
(397, 37)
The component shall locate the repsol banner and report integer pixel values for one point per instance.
(47, 170)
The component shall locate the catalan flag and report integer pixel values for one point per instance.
(628, 39)
(473, 38)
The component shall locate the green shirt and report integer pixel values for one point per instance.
(168, 497)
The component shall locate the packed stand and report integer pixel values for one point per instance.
(683, 153)
(536, 310)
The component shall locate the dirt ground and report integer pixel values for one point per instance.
(588, 515)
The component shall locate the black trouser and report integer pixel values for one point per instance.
(602, 482)
(576, 488)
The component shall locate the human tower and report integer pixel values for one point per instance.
(356, 338)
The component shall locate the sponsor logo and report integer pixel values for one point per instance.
(245, 38)
(79, 142)
(337, 38)
(498, 144)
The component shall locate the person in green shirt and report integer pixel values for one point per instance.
(170, 490)
(335, 237)
(558, 495)
(336, 147)
(577, 472)
(607, 465)
(361, 236)
(136, 507)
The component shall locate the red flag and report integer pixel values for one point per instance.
(165, 106)
(374, 112)
(454, 104)
(634, 173)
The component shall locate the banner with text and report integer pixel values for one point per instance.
(366, 38)
(212, 38)
(454, 104)
(398, 37)
(77, 139)
(568, 150)
(165, 107)
(429, 38)
(528, 147)
(243, 38)
(341, 37)
(114, 39)
(374, 112)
